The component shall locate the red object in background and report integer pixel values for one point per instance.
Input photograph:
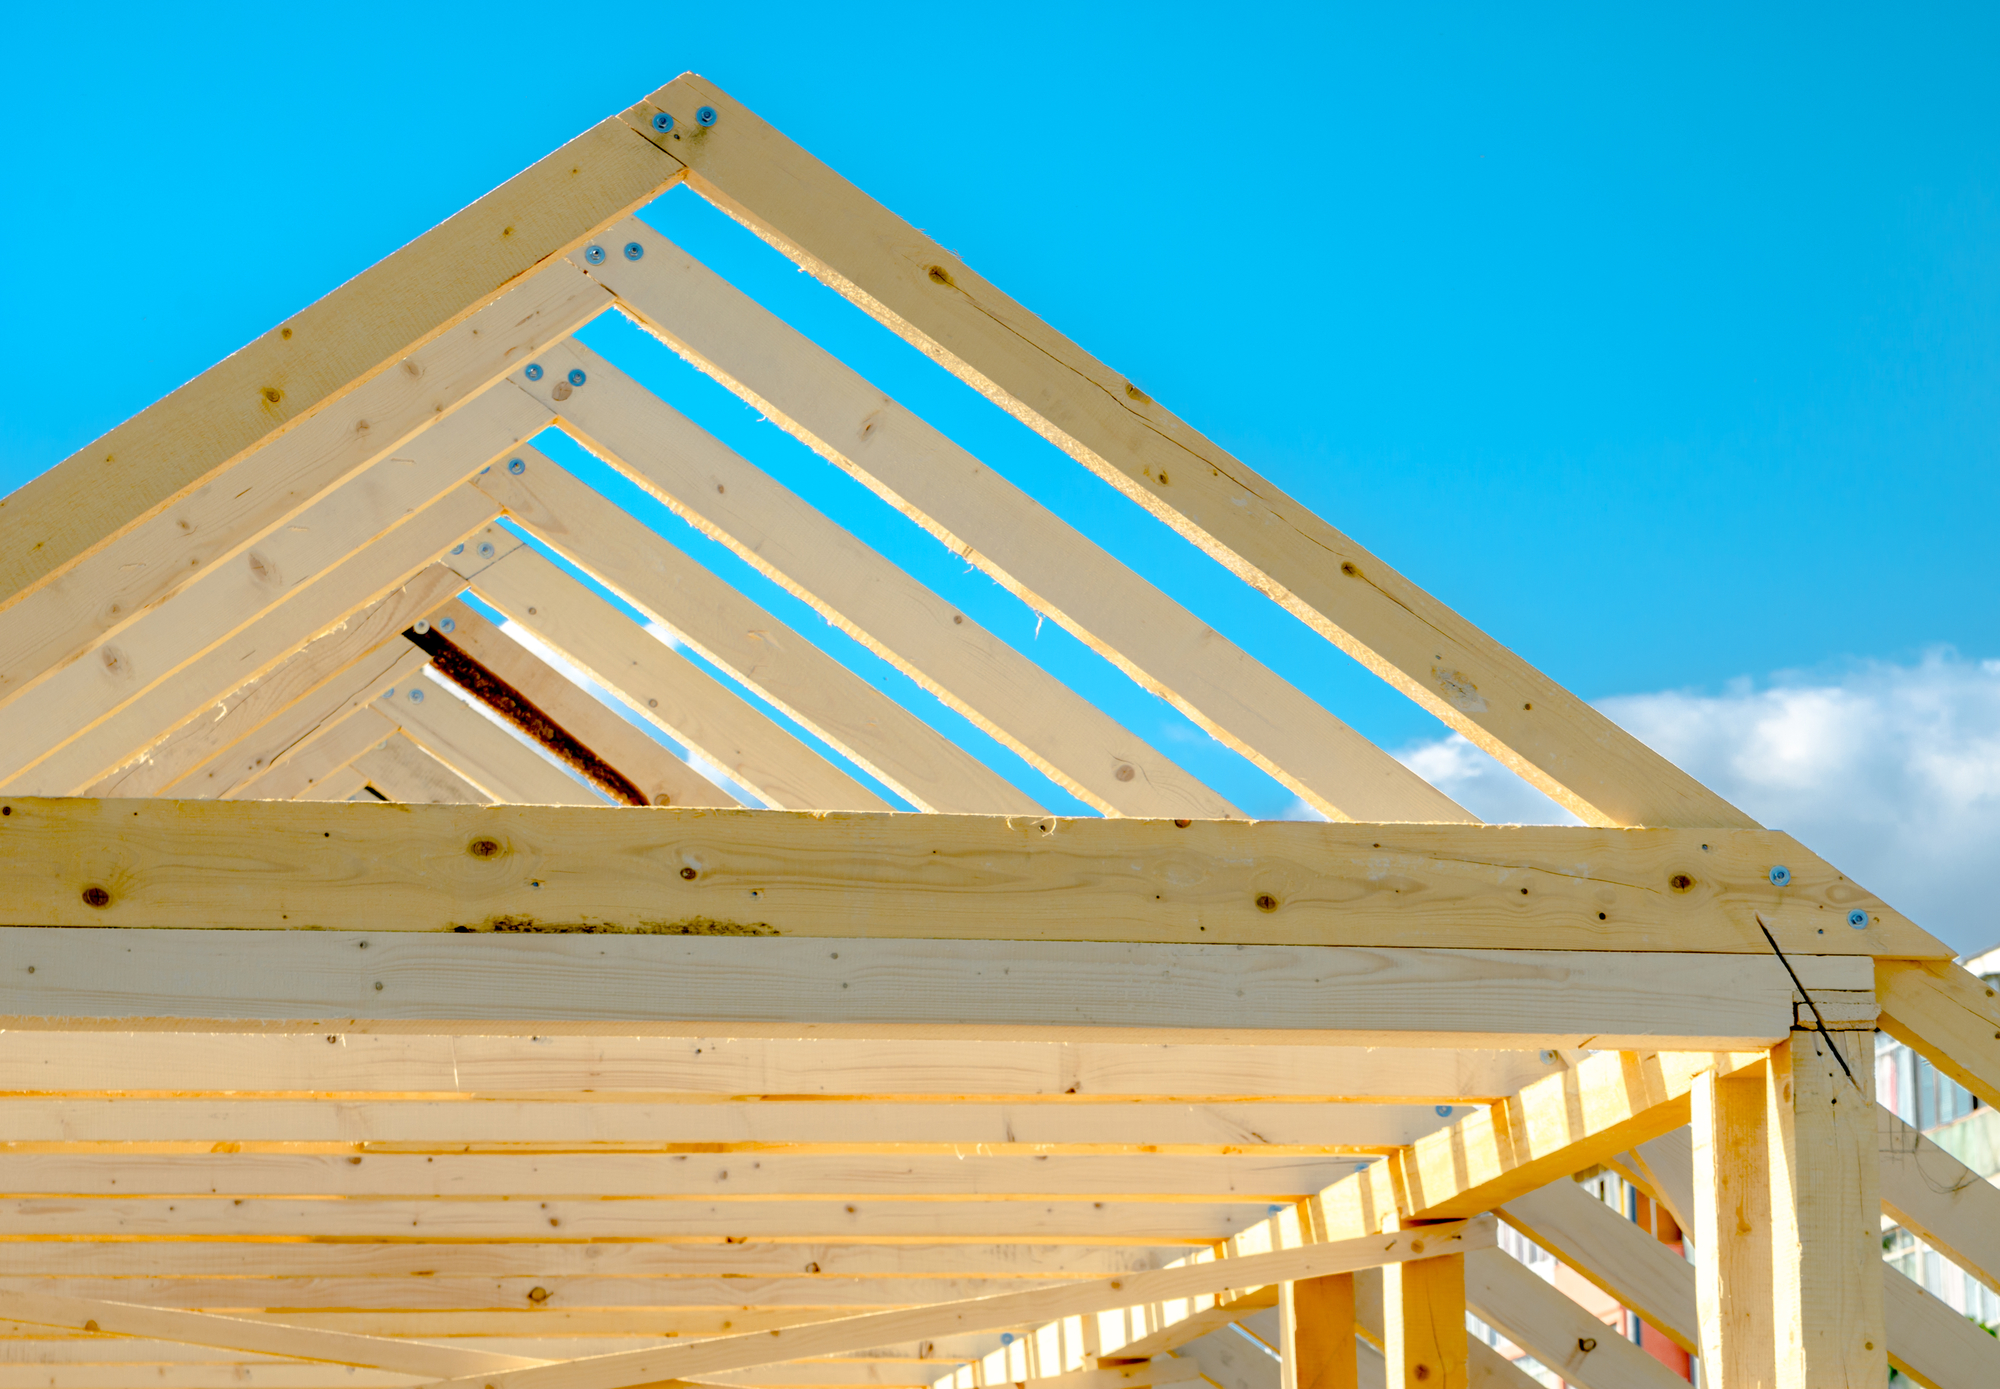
(1655, 1218)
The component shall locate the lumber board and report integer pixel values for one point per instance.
(930, 297)
(316, 357)
(1729, 1192)
(1317, 1319)
(314, 685)
(197, 1125)
(442, 721)
(664, 687)
(57, 1060)
(1932, 1344)
(752, 646)
(665, 778)
(323, 753)
(411, 775)
(228, 1375)
(973, 988)
(368, 574)
(1939, 1199)
(944, 650)
(1025, 547)
(932, 876)
(250, 503)
(994, 1313)
(1229, 1360)
(1949, 1015)
(279, 568)
(343, 783)
(1627, 1262)
(199, 1328)
(1423, 1323)
(1555, 1330)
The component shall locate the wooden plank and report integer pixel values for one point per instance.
(1826, 1213)
(370, 573)
(218, 1376)
(250, 502)
(732, 501)
(922, 292)
(97, 1125)
(973, 988)
(404, 772)
(1037, 556)
(56, 1060)
(330, 750)
(665, 687)
(1734, 1231)
(296, 730)
(755, 648)
(200, 1328)
(282, 566)
(1615, 1254)
(1948, 1014)
(1317, 1317)
(318, 356)
(1555, 1330)
(341, 784)
(1485, 1367)
(664, 778)
(1230, 1360)
(441, 721)
(1932, 1344)
(1423, 1315)
(1939, 1199)
(310, 687)
(1205, 882)
(993, 1313)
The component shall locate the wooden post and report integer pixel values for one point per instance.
(1826, 1213)
(1317, 1318)
(1423, 1314)
(1733, 1234)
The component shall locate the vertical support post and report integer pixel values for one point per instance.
(1423, 1314)
(1316, 1317)
(1733, 1233)
(1826, 1213)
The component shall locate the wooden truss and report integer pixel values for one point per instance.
(436, 1023)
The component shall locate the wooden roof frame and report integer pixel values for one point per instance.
(1132, 1021)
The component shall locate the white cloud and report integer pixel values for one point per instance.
(1891, 772)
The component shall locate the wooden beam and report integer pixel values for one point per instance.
(283, 565)
(994, 1313)
(1826, 1213)
(439, 719)
(972, 988)
(1057, 731)
(1033, 553)
(318, 356)
(932, 876)
(666, 688)
(1556, 1330)
(249, 503)
(368, 574)
(235, 1333)
(1939, 1199)
(1948, 1014)
(1317, 1320)
(753, 647)
(226, 1375)
(1423, 1314)
(615, 1064)
(1612, 1252)
(1734, 1230)
(328, 750)
(407, 773)
(1932, 1344)
(931, 298)
(665, 778)
(343, 783)
(315, 686)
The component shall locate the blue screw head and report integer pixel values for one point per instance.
(448, 626)
(517, 466)
(1780, 876)
(458, 549)
(1006, 1338)
(634, 251)
(576, 377)
(705, 116)
(533, 371)
(416, 696)
(1444, 1111)
(486, 549)
(662, 122)
(594, 254)
(420, 627)
(1858, 919)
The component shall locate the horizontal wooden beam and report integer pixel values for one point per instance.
(993, 1313)
(190, 864)
(1134, 991)
(1950, 1015)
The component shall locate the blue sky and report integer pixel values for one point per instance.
(1665, 345)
